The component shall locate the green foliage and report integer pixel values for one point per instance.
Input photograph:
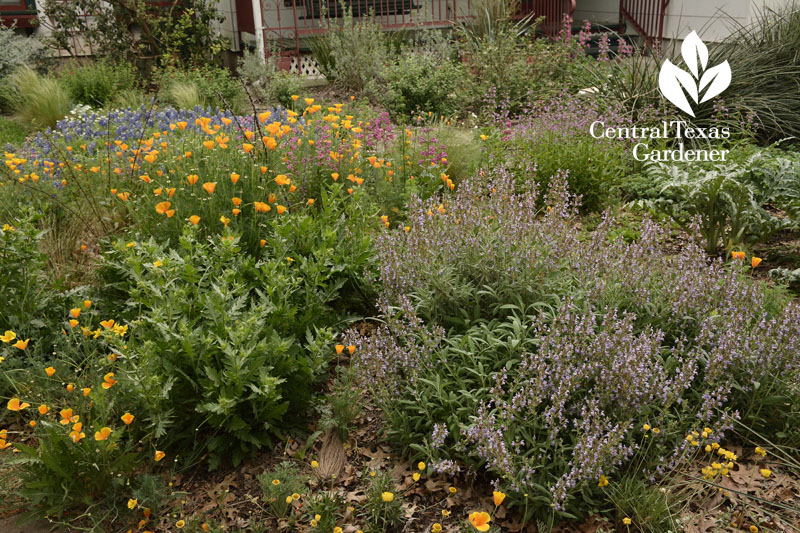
(341, 406)
(73, 466)
(631, 82)
(789, 277)
(206, 86)
(420, 82)
(354, 52)
(37, 100)
(97, 83)
(594, 169)
(130, 98)
(60, 474)
(11, 132)
(763, 56)
(279, 486)
(729, 200)
(380, 514)
(270, 83)
(32, 303)
(509, 67)
(18, 50)
(219, 341)
(325, 509)
(647, 506)
(175, 33)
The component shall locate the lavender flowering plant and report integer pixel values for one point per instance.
(514, 344)
(554, 134)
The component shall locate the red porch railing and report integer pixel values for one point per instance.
(647, 18)
(553, 12)
(289, 21)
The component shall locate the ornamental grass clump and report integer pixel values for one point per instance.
(515, 344)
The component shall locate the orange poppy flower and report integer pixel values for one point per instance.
(261, 207)
(67, 416)
(234, 178)
(159, 455)
(281, 179)
(21, 344)
(236, 201)
(281, 209)
(162, 207)
(127, 418)
(15, 405)
(108, 380)
(192, 178)
(209, 187)
(480, 520)
(755, 261)
(103, 434)
(194, 219)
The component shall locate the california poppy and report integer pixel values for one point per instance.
(480, 520)
(15, 405)
(108, 380)
(103, 434)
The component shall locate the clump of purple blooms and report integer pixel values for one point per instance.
(128, 125)
(582, 339)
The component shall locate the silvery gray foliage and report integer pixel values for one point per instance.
(514, 343)
(17, 50)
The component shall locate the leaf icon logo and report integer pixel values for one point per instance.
(700, 83)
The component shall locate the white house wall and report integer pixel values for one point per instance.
(228, 28)
(712, 19)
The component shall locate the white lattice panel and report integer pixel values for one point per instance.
(305, 66)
